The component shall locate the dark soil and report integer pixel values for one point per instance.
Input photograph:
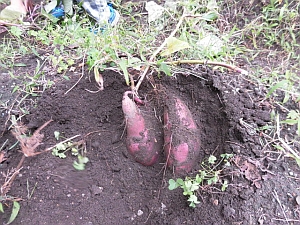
(114, 189)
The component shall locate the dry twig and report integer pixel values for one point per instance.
(29, 144)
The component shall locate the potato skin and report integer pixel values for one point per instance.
(140, 140)
(181, 137)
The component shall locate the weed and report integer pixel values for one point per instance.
(15, 208)
(207, 176)
(76, 149)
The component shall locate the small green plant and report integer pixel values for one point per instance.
(80, 165)
(15, 208)
(208, 175)
(76, 149)
(62, 148)
(293, 118)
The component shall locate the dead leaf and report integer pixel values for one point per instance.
(2, 157)
(249, 169)
(29, 144)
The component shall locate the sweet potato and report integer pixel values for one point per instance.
(141, 142)
(181, 137)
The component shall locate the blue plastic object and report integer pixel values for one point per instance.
(58, 12)
(112, 13)
(111, 19)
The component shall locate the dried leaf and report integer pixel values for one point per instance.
(98, 78)
(29, 144)
(250, 170)
(2, 157)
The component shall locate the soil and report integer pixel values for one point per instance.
(114, 189)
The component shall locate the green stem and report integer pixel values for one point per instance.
(208, 62)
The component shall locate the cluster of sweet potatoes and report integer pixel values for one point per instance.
(181, 135)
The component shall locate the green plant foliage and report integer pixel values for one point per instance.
(1, 208)
(293, 118)
(208, 175)
(80, 164)
(14, 212)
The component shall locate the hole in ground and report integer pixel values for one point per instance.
(113, 188)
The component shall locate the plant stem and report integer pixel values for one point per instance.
(158, 50)
(208, 62)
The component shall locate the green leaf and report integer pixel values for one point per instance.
(289, 121)
(202, 174)
(68, 6)
(174, 45)
(194, 187)
(278, 147)
(298, 161)
(165, 68)
(15, 89)
(14, 213)
(56, 135)
(282, 84)
(83, 159)
(180, 181)
(61, 146)
(224, 185)
(1, 208)
(172, 185)
(74, 151)
(198, 179)
(78, 166)
(293, 114)
(194, 199)
(226, 156)
(123, 63)
(212, 159)
(192, 205)
(188, 184)
(187, 193)
(286, 98)
(210, 16)
(20, 65)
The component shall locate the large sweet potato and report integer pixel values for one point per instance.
(181, 137)
(141, 142)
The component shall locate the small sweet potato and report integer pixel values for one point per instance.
(140, 141)
(181, 137)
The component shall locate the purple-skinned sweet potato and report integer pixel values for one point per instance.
(141, 142)
(181, 137)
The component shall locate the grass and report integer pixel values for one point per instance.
(273, 42)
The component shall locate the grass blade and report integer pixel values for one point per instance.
(14, 212)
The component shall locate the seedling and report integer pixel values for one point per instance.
(15, 207)
(80, 165)
(207, 176)
(76, 148)
(293, 118)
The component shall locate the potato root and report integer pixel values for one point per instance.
(140, 141)
(181, 137)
